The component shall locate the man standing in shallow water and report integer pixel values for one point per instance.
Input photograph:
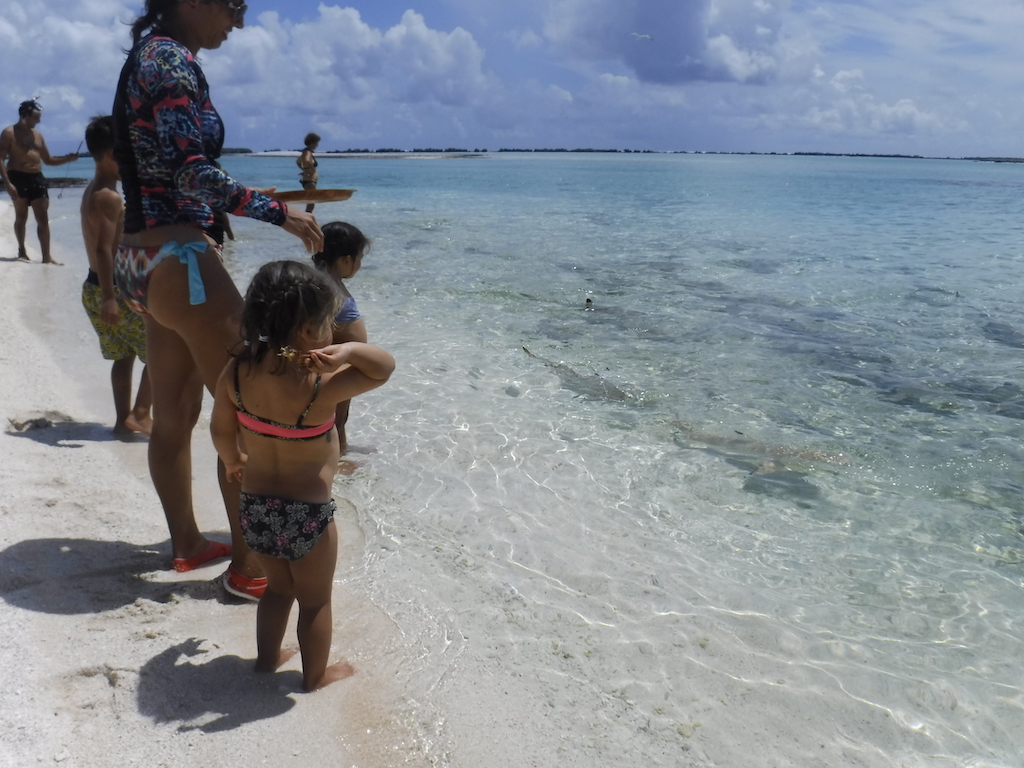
(24, 150)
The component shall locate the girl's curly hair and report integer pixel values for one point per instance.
(282, 297)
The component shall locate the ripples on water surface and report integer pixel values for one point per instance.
(760, 507)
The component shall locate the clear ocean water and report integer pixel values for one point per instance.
(766, 490)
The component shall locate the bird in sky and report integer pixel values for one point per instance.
(638, 36)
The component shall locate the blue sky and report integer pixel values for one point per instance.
(931, 77)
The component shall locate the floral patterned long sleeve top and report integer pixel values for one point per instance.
(169, 137)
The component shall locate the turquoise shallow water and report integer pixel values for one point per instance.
(767, 491)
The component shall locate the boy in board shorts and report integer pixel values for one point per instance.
(122, 333)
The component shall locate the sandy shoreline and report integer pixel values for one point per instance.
(371, 155)
(110, 653)
(110, 657)
(465, 657)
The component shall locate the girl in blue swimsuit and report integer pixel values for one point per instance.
(277, 399)
(341, 258)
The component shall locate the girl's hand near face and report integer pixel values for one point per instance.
(329, 359)
(372, 362)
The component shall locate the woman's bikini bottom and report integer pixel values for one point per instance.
(134, 265)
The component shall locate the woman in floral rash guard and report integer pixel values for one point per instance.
(168, 267)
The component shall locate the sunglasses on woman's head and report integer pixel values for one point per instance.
(238, 9)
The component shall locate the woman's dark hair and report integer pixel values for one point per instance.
(156, 12)
(282, 297)
(340, 240)
(311, 138)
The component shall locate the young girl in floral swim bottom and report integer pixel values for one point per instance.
(273, 427)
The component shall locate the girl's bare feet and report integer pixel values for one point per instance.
(334, 673)
(346, 467)
(143, 425)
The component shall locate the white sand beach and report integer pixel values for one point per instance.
(109, 657)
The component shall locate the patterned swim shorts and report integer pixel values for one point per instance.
(283, 527)
(117, 342)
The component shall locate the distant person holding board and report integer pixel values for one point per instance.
(122, 333)
(169, 268)
(24, 150)
(308, 175)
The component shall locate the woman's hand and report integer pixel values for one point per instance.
(303, 225)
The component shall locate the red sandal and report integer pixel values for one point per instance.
(244, 586)
(215, 551)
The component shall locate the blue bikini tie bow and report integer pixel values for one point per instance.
(186, 253)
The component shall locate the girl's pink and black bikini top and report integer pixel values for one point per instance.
(277, 430)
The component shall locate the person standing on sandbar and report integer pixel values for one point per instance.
(307, 165)
(24, 150)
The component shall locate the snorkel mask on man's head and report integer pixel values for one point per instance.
(26, 108)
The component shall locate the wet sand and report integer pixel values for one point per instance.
(109, 657)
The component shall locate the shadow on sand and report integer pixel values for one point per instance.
(60, 430)
(212, 696)
(80, 576)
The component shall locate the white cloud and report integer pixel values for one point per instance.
(560, 94)
(10, 39)
(425, 64)
(272, 76)
(525, 38)
(699, 40)
(743, 65)
(615, 81)
(847, 80)
(855, 111)
(68, 54)
(917, 76)
(344, 77)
